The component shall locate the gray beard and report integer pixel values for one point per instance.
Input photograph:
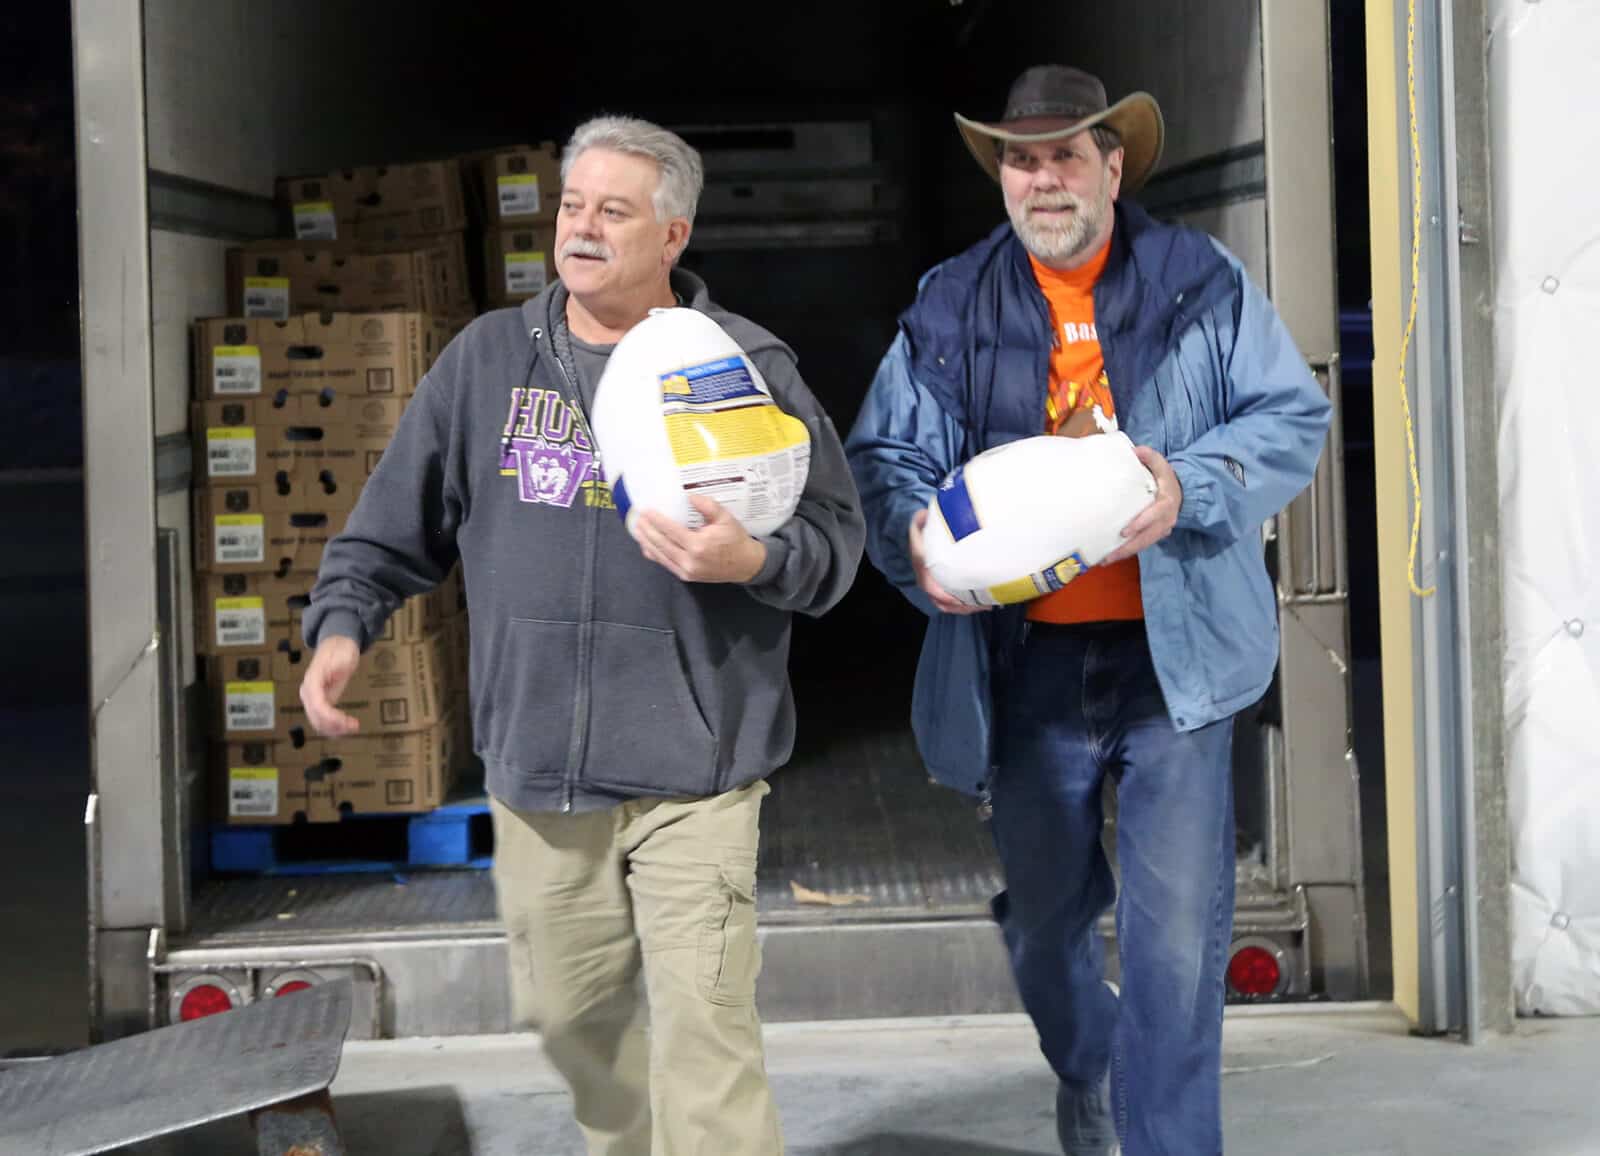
(1060, 241)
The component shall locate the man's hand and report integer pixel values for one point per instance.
(719, 551)
(1156, 520)
(329, 673)
(941, 598)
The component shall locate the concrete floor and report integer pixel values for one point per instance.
(1350, 1082)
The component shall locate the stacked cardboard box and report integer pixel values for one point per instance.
(375, 238)
(278, 279)
(290, 419)
(298, 393)
(519, 193)
(377, 203)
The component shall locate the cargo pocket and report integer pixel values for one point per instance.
(730, 954)
(646, 731)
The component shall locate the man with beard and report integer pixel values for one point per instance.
(630, 695)
(1135, 669)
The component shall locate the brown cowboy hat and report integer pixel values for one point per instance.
(1058, 91)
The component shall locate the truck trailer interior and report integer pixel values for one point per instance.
(835, 177)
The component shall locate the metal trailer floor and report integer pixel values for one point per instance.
(874, 891)
(1350, 1082)
(852, 832)
(849, 833)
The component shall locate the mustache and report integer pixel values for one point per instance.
(579, 247)
(1052, 201)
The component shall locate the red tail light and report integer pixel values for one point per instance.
(1255, 970)
(204, 999)
(293, 980)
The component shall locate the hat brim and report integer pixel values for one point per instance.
(1136, 118)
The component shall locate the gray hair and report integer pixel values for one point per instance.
(682, 176)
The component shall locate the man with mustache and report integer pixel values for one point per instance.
(630, 697)
(1136, 668)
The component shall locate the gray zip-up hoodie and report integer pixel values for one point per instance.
(597, 676)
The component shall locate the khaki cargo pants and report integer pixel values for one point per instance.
(662, 886)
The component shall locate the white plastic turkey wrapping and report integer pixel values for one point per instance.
(1546, 170)
(682, 410)
(1022, 520)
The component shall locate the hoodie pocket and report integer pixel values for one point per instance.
(646, 731)
(525, 705)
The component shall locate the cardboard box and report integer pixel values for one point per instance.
(377, 202)
(371, 417)
(305, 468)
(448, 266)
(260, 614)
(403, 200)
(276, 781)
(399, 687)
(291, 462)
(520, 263)
(277, 279)
(235, 534)
(521, 186)
(249, 613)
(328, 354)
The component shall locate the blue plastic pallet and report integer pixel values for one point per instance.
(454, 835)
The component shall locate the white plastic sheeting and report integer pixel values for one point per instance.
(1545, 131)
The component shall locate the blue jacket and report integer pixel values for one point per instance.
(1201, 369)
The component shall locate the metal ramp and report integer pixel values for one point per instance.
(274, 1060)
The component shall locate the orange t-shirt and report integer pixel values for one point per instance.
(1078, 383)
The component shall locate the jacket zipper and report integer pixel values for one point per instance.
(577, 747)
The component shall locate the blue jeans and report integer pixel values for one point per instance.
(1082, 702)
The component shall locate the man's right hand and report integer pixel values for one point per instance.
(329, 673)
(941, 598)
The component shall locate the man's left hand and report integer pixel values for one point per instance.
(719, 551)
(1156, 520)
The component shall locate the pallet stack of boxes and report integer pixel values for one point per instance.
(518, 191)
(297, 393)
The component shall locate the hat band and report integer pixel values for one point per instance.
(1048, 108)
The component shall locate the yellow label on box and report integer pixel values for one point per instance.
(241, 621)
(249, 706)
(242, 350)
(252, 791)
(230, 451)
(240, 538)
(314, 221)
(525, 274)
(519, 194)
(235, 369)
(267, 297)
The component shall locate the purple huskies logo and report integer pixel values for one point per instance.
(545, 449)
